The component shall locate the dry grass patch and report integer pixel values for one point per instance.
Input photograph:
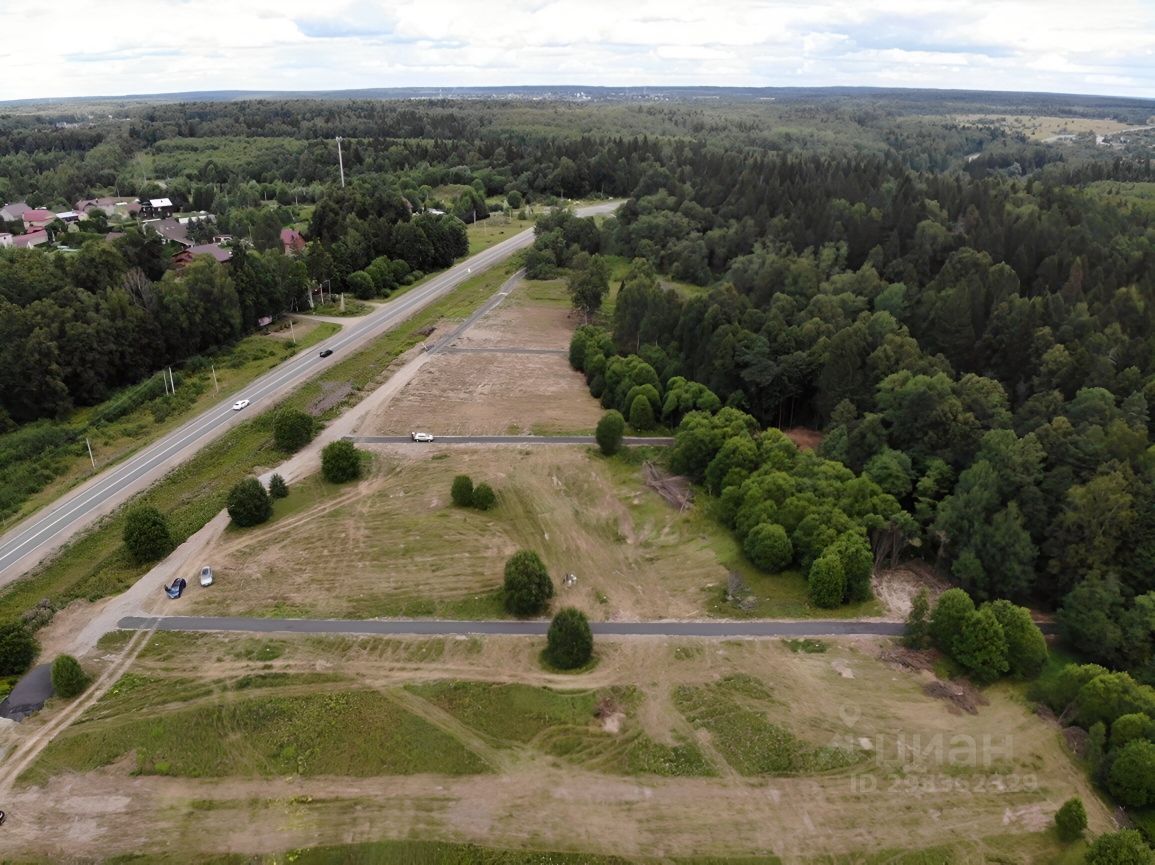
(394, 544)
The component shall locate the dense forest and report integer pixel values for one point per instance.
(966, 312)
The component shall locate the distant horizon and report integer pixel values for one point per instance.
(100, 47)
(225, 93)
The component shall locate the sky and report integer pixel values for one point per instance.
(115, 47)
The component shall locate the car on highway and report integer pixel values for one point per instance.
(206, 576)
(325, 352)
(421, 436)
(240, 404)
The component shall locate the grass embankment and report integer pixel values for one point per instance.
(45, 459)
(95, 565)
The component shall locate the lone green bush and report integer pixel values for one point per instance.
(18, 649)
(462, 491)
(68, 677)
(484, 498)
(769, 547)
(340, 462)
(609, 432)
(292, 429)
(528, 587)
(569, 642)
(278, 489)
(1071, 820)
(827, 582)
(146, 534)
(249, 503)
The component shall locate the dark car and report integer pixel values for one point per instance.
(325, 352)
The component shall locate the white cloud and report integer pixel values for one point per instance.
(108, 47)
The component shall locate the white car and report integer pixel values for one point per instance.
(240, 404)
(421, 437)
(206, 576)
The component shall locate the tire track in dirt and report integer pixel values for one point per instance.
(25, 753)
(447, 723)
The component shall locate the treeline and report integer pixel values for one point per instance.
(980, 349)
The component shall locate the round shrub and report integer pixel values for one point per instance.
(827, 582)
(462, 491)
(528, 587)
(249, 503)
(340, 462)
(1071, 820)
(768, 547)
(292, 429)
(278, 489)
(1131, 779)
(146, 535)
(609, 432)
(951, 612)
(484, 498)
(642, 413)
(570, 642)
(68, 677)
(18, 649)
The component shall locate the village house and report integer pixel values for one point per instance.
(292, 241)
(34, 219)
(14, 212)
(113, 206)
(159, 208)
(30, 239)
(171, 229)
(185, 257)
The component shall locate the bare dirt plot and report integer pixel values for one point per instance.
(981, 783)
(394, 544)
(498, 377)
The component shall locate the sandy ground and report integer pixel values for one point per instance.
(111, 811)
(499, 390)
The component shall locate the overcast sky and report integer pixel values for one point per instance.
(54, 48)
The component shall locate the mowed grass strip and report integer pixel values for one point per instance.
(353, 733)
(733, 711)
(563, 724)
(95, 565)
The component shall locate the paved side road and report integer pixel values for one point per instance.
(630, 441)
(442, 627)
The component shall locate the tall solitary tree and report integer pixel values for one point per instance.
(528, 587)
(609, 432)
(340, 462)
(249, 503)
(569, 642)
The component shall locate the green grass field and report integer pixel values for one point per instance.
(356, 733)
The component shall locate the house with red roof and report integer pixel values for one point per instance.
(34, 219)
(30, 238)
(292, 241)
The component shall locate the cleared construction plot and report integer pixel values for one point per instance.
(666, 748)
(509, 373)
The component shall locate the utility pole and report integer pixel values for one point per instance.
(292, 332)
(216, 384)
(171, 380)
(340, 162)
(90, 458)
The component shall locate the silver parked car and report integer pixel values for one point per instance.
(206, 576)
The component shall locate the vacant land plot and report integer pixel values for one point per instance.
(509, 373)
(678, 748)
(1042, 126)
(394, 544)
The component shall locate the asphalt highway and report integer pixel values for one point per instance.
(511, 628)
(35, 538)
